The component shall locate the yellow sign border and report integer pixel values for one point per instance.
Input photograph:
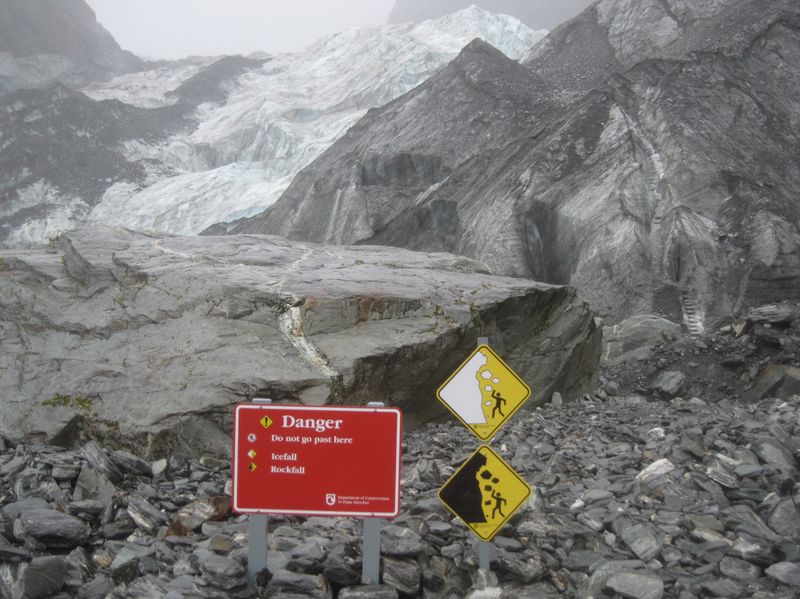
(499, 425)
(511, 512)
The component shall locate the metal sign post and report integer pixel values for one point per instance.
(258, 534)
(484, 547)
(371, 545)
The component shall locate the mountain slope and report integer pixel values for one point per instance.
(538, 14)
(204, 140)
(378, 171)
(278, 118)
(46, 40)
(670, 187)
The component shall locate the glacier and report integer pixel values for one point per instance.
(279, 117)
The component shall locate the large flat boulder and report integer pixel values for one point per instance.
(121, 331)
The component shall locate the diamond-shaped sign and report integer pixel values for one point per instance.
(266, 421)
(483, 392)
(485, 492)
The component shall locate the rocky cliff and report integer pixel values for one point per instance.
(137, 333)
(42, 41)
(539, 14)
(666, 180)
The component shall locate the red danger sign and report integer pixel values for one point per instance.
(332, 461)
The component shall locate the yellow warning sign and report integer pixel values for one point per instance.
(266, 421)
(485, 492)
(483, 392)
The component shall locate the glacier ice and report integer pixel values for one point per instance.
(278, 118)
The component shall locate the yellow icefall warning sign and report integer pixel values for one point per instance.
(485, 492)
(483, 392)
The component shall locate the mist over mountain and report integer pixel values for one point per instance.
(653, 165)
(538, 14)
(42, 41)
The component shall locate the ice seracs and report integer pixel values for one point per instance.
(278, 118)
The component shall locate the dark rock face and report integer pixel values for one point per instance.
(748, 359)
(139, 333)
(666, 185)
(537, 14)
(46, 40)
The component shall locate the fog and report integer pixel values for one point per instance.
(178, 28)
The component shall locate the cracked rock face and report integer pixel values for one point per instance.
(649, 159)
(115, 329)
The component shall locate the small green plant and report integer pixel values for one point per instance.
(83, 405)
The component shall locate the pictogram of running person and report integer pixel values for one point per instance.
(498, 504)
(499, 402)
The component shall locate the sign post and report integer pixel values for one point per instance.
(483, 393)
(258, 533)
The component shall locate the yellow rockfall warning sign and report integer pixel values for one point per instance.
(485, 492)
(483, 392)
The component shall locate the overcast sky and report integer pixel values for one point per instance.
(178, 28)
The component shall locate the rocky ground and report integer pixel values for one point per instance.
(635, 496)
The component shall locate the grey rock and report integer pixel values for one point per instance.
(14, 466)
(399, 541)
(693, 443)
(81, 562)
(94, 486)
(221, 543)
(97, 457)
(43, 577)
(775, 454)
(654, 474)
(669, 383)
(785, 519)
(145, 515)
(97, 588)
(596, 584)
(10, 553)
(288, 584)
(126, 564)
(51, 529)
(739, 569)
(127, 462)
(722, 587)
(636, 585)
(785, 572)
(343, 564)
(328, 326)
(370, 591)
(404, 575)
(582, 560)
(196, 513)
(522, 568)
(633, 337)
(308, 557)
(221, 571)
(642, 540)
(755, 551)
